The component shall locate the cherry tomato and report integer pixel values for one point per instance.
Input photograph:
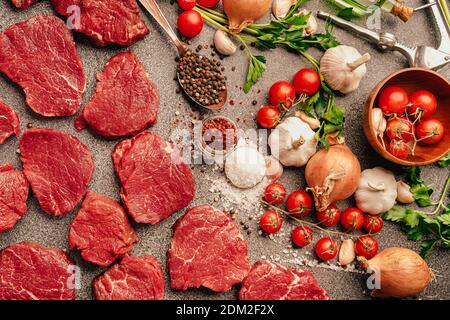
(393, 100)
(275, 193)
(330, 216)
(400, 129)
(268, 116)
(306, 81)
(282, 94)
(366, 246)
(399, 149)
(190, 23)
(270, 222)
(302, 236)
(352, 219)
(209, 3)
(431, 131)
(187, 4)
(422, 102)
(299, 203)
(327, 249)
(373, 224)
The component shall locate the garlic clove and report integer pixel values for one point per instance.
(274, 169)
(311, 25)
(223, 44)
(404, 194)
(347, 252)
(280, 8)
(311, 121)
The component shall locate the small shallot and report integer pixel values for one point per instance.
(347, 252)
(397, 273)
(404, 194)
(223, 43)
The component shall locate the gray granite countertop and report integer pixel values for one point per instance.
(157, 54)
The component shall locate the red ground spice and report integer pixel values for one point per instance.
(222, 129)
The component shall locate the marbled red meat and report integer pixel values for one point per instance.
(9, 122)
(134, 278)
(22, 4)
(40, 56)
(125, 101)
(101, 230)
(207, 250)
(13, 196)
(30, 271)
(272, 281)
(155, 181)
(58, 166)
(105, 21)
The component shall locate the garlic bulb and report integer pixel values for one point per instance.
(404, 194)
(347, 252)
(311, 24)
(377, 191)
(280, 8)
(293, 142)
(245, 167)
(223, 43)
(343, 68)
(311, 121)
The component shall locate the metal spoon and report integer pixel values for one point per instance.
(152, 7)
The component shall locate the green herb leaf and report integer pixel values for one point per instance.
(444, 219)
(334, 115)
(346, 13)
(256, 69)
(445, 161)
(421, 192)
(427, 246)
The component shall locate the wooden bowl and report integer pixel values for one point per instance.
(411, 80)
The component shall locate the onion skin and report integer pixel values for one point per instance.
(242, 13)
(403, 273)
(322, 175)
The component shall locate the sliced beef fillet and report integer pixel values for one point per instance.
(58, 166)
(272, 281)
(9, 122)
(155, 181)
(125, 101)
(40, 56)
(101, 230)
(13, 196)
(29, 271)
(22, 4)
(106, 22)
(134, 278)
(207, 249)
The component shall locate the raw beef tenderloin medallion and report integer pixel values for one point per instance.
(207, 250)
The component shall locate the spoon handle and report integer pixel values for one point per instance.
(152, 7)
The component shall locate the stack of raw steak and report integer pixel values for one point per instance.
(40, 56)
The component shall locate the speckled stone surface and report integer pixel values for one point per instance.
(157, 55)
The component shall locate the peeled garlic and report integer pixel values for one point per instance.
(223, 43)
(404, 194)
(280, 8)
(343, 68)
(311, 24)
(311, 121)
(274, 169)
(347, 252)
(379, 123)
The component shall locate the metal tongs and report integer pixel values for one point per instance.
(419, 56)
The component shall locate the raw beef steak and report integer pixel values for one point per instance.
(9, 122)
(29, 271)
(207, 249)
(23, 4)
(13, 196)
(105, 21)
(272, 281)
(154, 178)
(134, 278)
(58, 167)
(40, 55)
(125, 100)
(101, 230)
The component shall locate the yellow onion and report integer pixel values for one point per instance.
(403, 272)
(243, 13)
(332, 175)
